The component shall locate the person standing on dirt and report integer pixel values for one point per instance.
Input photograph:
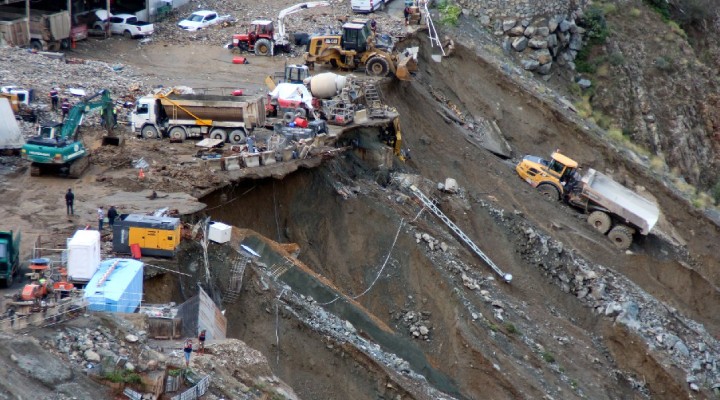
(65, 108)
(188, 351)
(54, 98)
(201, 341)
(101, 217)
(406, 13)
(69, 201)
(112, 214)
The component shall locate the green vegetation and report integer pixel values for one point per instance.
(573, 384)
(449, 13)
(635, 12)
(175, 372)
(548, 357)
(493, 327)
(123, 376)
(662, 7)
(511, 329)
(596, 32)
(715, 192)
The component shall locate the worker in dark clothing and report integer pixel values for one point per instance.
(112, 214)
(65, 108)
(373, 26)
(54, 98)
(69, 201)
(406, 13)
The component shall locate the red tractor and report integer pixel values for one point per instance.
(260, 39)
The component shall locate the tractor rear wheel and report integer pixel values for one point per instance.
(263, 47)
(621, 236)
(377, 66)
(600, 221)
(549, 191)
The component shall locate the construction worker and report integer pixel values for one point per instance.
(69, 201)
(101, 217)
(406, 13)
(112, 214)
(201, 340)
(188, 351)
(54, 98)
(65, 108)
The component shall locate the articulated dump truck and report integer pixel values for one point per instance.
(612, 208)
(182, 116)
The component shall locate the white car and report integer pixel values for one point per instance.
(201, 20)
(129, 26)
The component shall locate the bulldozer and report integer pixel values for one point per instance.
(357, 46)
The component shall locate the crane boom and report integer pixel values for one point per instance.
(281, 34)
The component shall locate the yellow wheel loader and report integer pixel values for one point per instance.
(357, 46)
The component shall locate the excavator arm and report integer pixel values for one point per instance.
(281, 34)
(77, 113)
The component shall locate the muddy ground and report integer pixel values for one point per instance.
(546, 343)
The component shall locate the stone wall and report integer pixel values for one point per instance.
(493, 9)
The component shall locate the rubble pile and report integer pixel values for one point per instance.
(313, 20)
(40, 73)
(89, 348)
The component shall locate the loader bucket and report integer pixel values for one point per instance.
(407, 64)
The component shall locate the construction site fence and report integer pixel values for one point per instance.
(196, 391)
(27, 318)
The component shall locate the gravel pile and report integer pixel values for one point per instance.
(314, 20)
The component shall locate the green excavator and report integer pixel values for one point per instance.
(58, 147)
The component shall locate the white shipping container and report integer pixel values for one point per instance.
(219, 232)
(83, 255)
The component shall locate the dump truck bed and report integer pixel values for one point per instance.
(638, 211)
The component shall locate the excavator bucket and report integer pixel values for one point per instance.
(407, 64)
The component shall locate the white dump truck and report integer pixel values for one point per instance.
(613, 209)
(183, 116)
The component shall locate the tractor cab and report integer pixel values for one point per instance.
(262, 28)
(355, 36)
(296, 73)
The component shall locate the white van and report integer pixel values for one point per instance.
(367, 6)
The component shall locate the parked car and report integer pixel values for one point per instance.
(129, 26)
(367, 6)
(96, 20)
(201, 20)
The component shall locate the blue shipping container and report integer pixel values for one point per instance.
(117, 286)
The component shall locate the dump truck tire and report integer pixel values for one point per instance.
(549, 191)
(219, 134)
(149, 132)
(621, 236)
(600, 221)
(263, 47)
(177, 133)
(237, 136)
(377, 66)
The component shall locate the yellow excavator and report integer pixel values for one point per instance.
(357, 46)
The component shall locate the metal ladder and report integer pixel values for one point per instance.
(461, 235)
(234, 284)
(432, 32)
(373, 100)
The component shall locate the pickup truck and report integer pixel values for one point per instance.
(201, 20)
(129, 26)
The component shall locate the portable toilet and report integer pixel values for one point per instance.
(117, 286)
(83, 255)
(156, 236)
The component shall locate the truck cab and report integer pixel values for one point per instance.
(549, 176)
(145, 117)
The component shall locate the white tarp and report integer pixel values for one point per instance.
(293, 92)
(10, 135)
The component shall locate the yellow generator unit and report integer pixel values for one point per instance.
(156, 236)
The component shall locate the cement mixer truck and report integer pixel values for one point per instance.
(183, 116)
(297, 93)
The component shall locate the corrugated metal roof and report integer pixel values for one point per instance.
(113, 277)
